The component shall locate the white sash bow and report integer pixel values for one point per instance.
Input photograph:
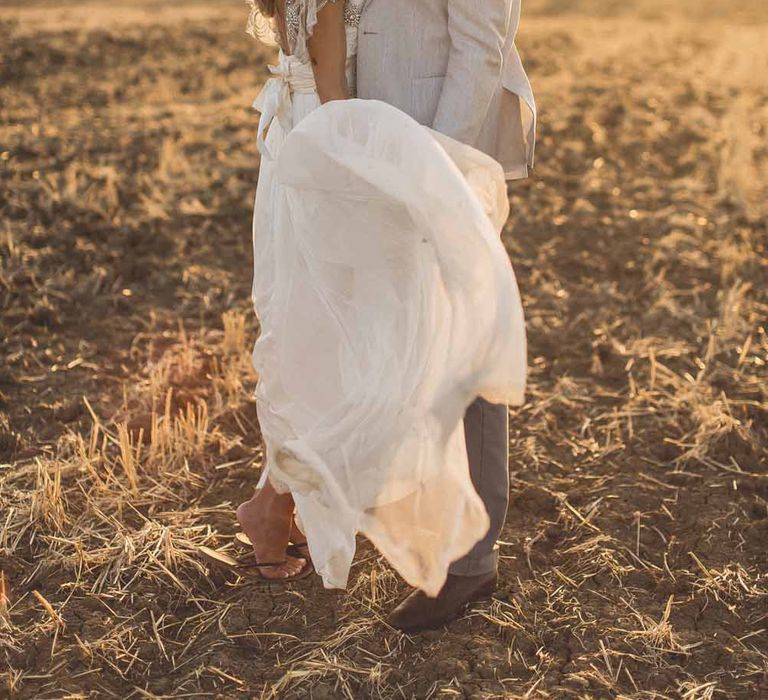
(290, 76)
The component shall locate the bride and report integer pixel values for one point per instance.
(387, 304)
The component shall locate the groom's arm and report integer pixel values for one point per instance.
(478, 32)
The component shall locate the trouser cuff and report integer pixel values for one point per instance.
(476, 565)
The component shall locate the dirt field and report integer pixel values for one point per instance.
(634, 557)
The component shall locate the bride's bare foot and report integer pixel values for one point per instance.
(299, 539)
(267, 520)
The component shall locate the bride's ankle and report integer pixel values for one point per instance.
(265, 507)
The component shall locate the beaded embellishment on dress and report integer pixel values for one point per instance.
(352, 14)
(263, 28)
(293, 16)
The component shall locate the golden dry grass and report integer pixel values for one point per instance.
(634, 558)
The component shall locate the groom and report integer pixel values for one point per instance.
(453, 65)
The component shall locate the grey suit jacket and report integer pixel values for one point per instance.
(452, 65)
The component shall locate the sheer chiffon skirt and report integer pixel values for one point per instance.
(387, 303)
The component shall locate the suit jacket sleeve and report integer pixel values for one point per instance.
(478, 32)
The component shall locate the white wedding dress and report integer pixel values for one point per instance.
(387, 303)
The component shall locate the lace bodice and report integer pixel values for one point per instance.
(300, 20)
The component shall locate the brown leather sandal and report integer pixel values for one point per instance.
(298, 550)
(248, 567)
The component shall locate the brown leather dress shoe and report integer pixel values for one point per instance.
(418, 612)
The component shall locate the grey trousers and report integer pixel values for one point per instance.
(487, 433)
